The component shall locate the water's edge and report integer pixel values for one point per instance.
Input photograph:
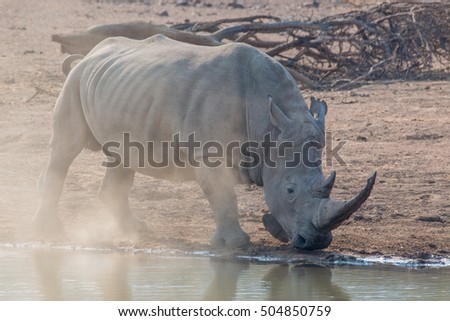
(328, 259)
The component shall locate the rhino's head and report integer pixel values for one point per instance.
(297, 193)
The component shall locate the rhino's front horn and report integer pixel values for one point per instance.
(332, 213)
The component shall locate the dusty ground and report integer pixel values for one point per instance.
(401, 130)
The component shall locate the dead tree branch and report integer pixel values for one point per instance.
(387, 41)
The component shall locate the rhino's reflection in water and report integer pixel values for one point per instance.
(223, 286)
(280, 282)
(48, 274)
(302, 283)
(105, 275)
(37, 274)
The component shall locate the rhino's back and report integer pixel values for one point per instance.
(157, 87)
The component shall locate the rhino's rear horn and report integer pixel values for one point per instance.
(332, 213)
(323, 188)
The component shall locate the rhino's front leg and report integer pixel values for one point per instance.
(218, 186)
(114, 192)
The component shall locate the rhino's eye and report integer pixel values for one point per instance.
(290, 191)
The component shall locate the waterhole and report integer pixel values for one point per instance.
(49, 274)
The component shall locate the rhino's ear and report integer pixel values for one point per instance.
(318, 110)
(278, 118)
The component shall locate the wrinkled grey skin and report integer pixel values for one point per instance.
(158, 87)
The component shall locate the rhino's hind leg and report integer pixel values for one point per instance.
(218, 186)
(114, 192)
(70, 136)
(45, 221)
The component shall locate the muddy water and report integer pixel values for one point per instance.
(48, 274)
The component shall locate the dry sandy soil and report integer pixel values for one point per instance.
(400, 129)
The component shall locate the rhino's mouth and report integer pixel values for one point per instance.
(319, 241)
(274, 228)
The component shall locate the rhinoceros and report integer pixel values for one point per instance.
(143, 93)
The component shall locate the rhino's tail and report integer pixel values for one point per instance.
(93, 144)
(67, 63)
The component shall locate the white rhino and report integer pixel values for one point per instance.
(131, 97)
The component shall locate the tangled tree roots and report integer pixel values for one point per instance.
(388, 41)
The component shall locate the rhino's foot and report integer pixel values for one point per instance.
(230, 239)
(47, 226)
(135, 228)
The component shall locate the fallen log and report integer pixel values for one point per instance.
(83, 42)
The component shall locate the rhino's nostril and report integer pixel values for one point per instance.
(299, 242)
